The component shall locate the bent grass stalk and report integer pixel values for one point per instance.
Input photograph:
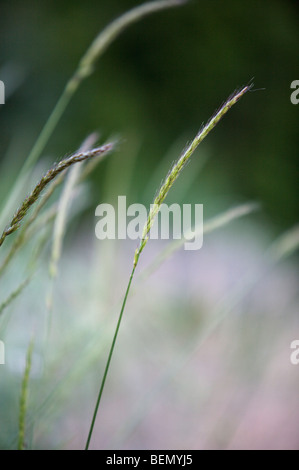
(180, 164)
(63, 205)
(14, 294)
(211, 225)
(24, 233)
(83, 70)
(91, 351)
(41, 242)
(24, 397)
(61, 220)
(27, 232)
(45, 180)
(166, 186)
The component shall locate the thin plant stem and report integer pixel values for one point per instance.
(83, 70)
(13, 295)
(63, 205)
(32, 266)
(61, 221)
(45, 180)
(24, 397)
(169, 181)
(27, 233)
(284, 246)
(109, 360)
(23, 234)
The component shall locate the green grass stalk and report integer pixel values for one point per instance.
(180, 164)
(24, 398)
(45, 180)
(84, 69)
(63, 205)
(39, 245)
(28, 232)
(109, 361)
(25, 233)
(166, 186)
(284, 246)
(14, 294)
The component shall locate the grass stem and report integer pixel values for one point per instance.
(45, 180)
(169, 181)
(24, 397)
(109, 360)
(83, 70)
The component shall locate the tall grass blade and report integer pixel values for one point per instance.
(83, 70)
(284, 246)
(24, 398)
(14, 294)
(45, 180)
(63, 205)
(182, 161)
(169, 181)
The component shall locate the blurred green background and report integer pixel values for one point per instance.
(202, 360)
(155, 86)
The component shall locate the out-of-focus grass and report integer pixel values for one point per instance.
(202, 361)
(203, 358)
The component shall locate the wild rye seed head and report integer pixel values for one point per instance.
(46, 179)
(182, 161)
